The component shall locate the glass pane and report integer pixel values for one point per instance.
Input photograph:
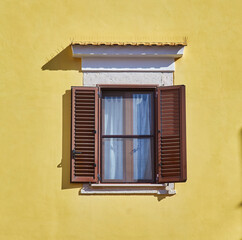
(143, 159)
(127, 113)
(112, 115)
(128, 159)
(142, 114)
(112, 156)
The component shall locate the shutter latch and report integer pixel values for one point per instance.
(74, 152)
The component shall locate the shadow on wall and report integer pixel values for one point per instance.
(66, 143)
(63, 61)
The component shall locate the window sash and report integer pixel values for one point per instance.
(124, 156)
(128, 171)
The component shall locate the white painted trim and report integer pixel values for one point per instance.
(127, 58)
(120, 185)
(127, 51)
(116, 64)
(149, 189)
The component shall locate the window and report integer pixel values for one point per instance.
(128, 134)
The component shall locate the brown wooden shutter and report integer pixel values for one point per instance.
(171, 165)
(84, 157)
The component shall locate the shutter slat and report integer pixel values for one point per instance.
(164, 163)
(84, 175)
(86, 108)
(85, 97)
(172, 176)
(84, 146)
(169, 160)
(171, 166)
(169, 151)
(83, 113)
(84, 164)
(84, 134)
(84, 160)
(169, 146)
(84, 122)
(84, 170)
(88, 102)
(169, 118)
(171, 137)
(85, 128)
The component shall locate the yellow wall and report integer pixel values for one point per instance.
(36, 199)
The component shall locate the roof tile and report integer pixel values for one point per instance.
(82, 43)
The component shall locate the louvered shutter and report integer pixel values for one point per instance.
(171, 165)
(84, 157)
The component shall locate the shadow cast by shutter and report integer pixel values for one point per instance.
(63, 61)
(66, 143)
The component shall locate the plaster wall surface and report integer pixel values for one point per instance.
(37, 71)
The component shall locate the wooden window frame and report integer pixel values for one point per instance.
(127, 87)
(127, 165)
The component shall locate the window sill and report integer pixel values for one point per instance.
(122, 189)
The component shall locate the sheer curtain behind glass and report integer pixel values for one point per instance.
(142, 152)
(128, 156)
(113, 147)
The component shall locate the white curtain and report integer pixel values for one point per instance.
(113, 147)
(142, 158)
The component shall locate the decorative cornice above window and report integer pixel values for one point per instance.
(114, 43)
(139, 57)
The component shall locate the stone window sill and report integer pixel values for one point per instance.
(167, 189)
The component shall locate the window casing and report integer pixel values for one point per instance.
(127, 136)
(105, 150)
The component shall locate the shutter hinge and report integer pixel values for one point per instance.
(98, 177)
(99, 94)
(74, 152)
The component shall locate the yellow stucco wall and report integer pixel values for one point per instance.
(36, 199)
